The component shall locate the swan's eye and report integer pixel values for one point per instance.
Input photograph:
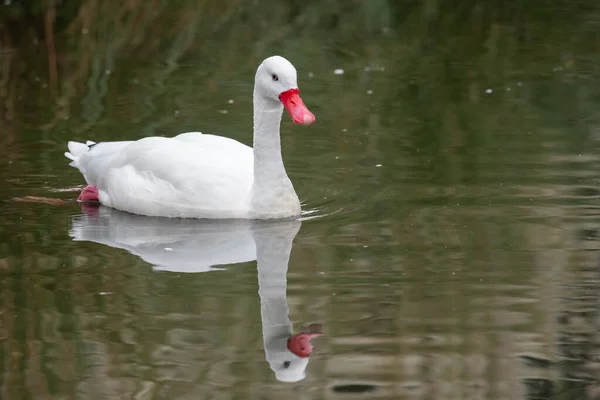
(286, 364)
(275, 77)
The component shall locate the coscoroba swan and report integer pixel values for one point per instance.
(195, 175)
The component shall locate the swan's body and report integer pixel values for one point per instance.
(190, 175)
(194, 175)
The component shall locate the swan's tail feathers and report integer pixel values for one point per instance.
(76, 150)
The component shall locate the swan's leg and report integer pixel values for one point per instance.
(90, 193)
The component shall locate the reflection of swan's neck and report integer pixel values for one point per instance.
(273, 249)
(272, 255)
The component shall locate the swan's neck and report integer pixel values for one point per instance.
(272, 191)
(268, 164)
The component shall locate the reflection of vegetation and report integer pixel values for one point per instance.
(453, 54)
(439, 59)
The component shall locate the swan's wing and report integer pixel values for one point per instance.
(208, 140)
(92, 159)
(170, 177)
(95, 159)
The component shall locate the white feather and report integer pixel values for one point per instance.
(193, 175)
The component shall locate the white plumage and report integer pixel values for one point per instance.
(195, 175)
(190, 175)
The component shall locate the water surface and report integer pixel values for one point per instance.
(449, 246)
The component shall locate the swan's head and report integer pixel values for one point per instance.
(276, 80)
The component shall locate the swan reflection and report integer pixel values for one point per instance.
(188, 246)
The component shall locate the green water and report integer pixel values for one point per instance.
(450, 236)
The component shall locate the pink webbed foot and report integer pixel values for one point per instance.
(90, 193)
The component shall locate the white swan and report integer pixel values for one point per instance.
(183, 245)
(194, 175)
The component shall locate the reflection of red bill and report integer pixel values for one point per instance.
(300, 344)
(295, 107)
